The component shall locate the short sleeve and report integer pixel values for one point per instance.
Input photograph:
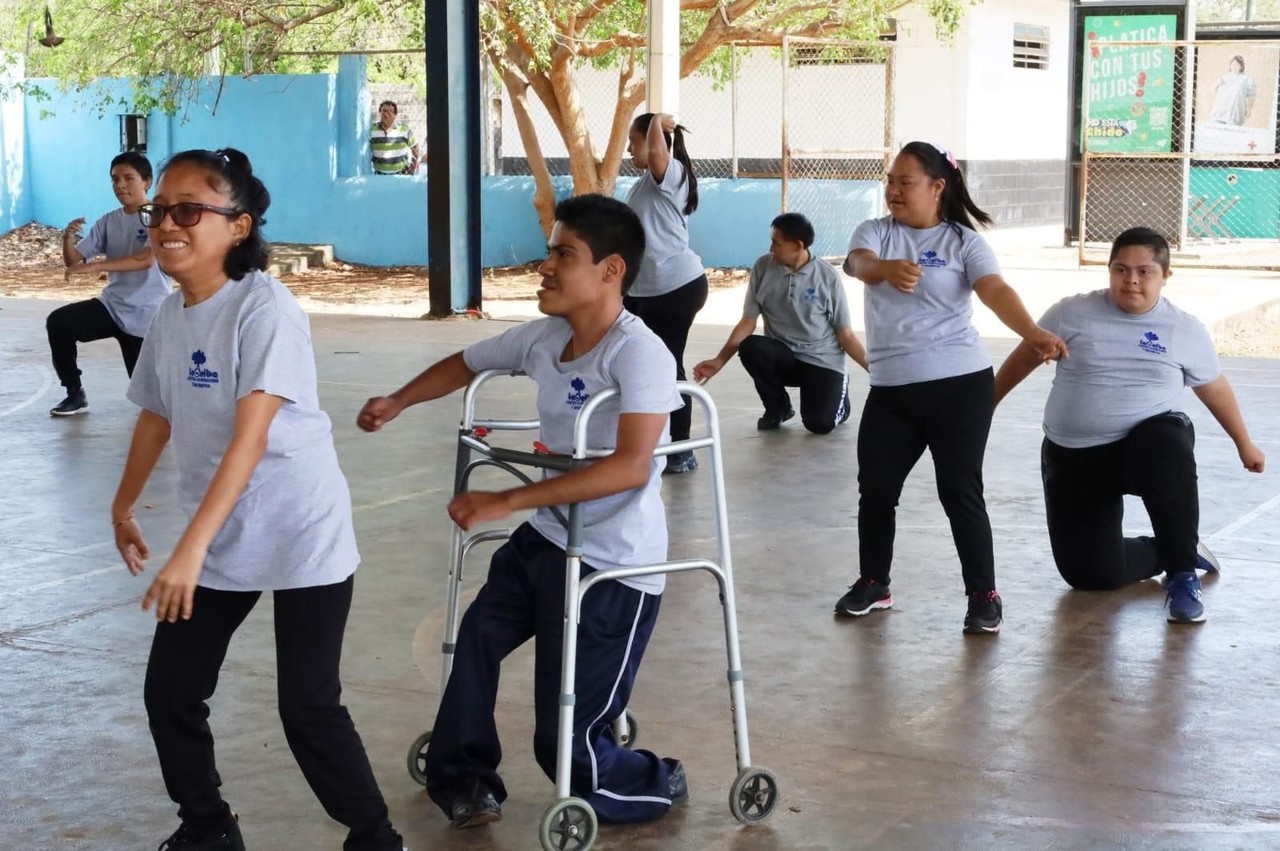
(1201, 364)
(751, 302)
(507, 350)
(672, 181)
(408, 132)
(839, 302)
(1052, 318)
(868, 236)
(274, 345)
(645, 375)
(94, 243)
(979, 260)
(144, 386)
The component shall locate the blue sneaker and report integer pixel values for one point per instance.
(1183, 598)
(1206, 560)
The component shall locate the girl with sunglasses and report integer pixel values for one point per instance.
(227, 374)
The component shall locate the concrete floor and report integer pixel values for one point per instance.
(1088, 723)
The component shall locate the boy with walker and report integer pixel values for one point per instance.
(587, 343)
(1114, 425)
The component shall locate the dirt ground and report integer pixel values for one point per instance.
(31, 267)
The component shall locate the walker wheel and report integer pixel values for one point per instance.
(626, 730)
(753, 795)
(568, 825)
(418, 758)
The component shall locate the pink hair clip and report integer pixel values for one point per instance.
(950, 157)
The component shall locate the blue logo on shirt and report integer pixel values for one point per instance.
(931, 259)
(578, 396)
(1151, 343)
(811, 295)
(197, 375)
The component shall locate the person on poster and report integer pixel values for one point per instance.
(1233, 95)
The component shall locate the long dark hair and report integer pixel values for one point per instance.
(955, 206)
(675, 142)
(230, 172)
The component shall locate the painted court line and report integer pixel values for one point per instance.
(1245, 519)
(47, 376)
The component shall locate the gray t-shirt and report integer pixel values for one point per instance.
(926, 334)
(1123, 368)
(669, 263)
(801, 309)
(291, 528)
(626, 529)
(130, 297)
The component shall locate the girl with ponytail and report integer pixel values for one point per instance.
(227, 375)
(672, 285)
(932, 385)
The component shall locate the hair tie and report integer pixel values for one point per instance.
(948, 156)
(222, 155)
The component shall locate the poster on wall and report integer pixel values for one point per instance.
(1130, 96)
(1236, 98)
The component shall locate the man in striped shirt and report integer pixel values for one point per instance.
(395, 151)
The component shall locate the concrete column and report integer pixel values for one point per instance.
(664, 56)
(353, 117)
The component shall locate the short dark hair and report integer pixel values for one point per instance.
(391, 104)
(1146, 237)
(229, 171)
(607, 226)
(1237, 58)
(135, 161)
(795, 227)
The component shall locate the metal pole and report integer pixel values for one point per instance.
(1086, 76)
(453, 161)
(1188, 117)
(786, 150)
(733, 105)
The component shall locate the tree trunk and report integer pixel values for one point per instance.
(544, 196)
(576, 134)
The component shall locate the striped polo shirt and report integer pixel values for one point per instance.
(392, 149)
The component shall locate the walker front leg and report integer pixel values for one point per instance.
(568, 663)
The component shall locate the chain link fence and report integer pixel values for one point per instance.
(836, 150)
(1182, 137)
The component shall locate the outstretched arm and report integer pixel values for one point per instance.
(1220, 399)
(1020, 363)
(133, 263)
(852, 346)
(1003, 300)
(440, 379)
(705, 371)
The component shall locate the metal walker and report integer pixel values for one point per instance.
(569, 824)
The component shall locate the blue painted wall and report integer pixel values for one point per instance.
(308, 139)
(15, 198)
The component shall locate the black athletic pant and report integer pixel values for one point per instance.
(952, 418)
(183, 672)
(670, 316)
(824, 393)
(84, 322)
(1084, 499)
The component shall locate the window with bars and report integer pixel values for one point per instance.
(1030, 46)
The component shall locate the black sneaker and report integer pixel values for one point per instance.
(184, 839)
(75, 403)
(771, 421)
(677, 783)
(863, 597)
(985, 614)
(680, 462)
(475, 806)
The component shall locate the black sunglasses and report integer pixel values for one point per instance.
(185, 215)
